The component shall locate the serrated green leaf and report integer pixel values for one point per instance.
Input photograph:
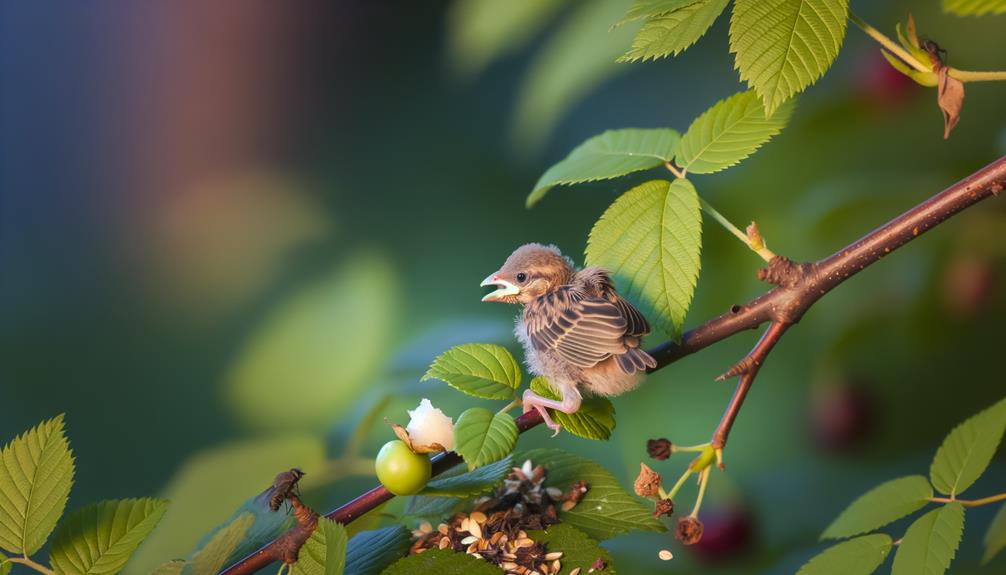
(482, 437)
(481, 31)
(974, 7)
(100, 538)
(217, 485)
(324, 553)
(371, 551)
(931, 542)
(594, 420)
(881, 505)
(783, 46)
(578, 550)
(967, 450)
(214, 556)
(650, 239)
(455, 482)
(673, 32)
(608, 155)
(36, 472)
(432, 506)
(607, 509)
(733, 129)
(995, 537)
(483, 370)
(441, 562)
(649, 8)
(859, 556)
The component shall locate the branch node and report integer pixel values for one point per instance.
(784, 272)
(288, 545)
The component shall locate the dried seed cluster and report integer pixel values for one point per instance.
(496, 530)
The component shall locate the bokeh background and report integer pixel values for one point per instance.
(230, 230)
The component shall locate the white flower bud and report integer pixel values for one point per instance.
(429, 425)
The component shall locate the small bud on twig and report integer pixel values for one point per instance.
(659, 449)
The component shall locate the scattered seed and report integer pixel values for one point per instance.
(575, 571)
(478, 517)
(553, 555)
(665, 555)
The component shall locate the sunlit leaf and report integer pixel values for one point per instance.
(370, 552)
(578, 550)
(442, 562)
(594, 420)
(482, 437)
(967, 450)
(931, 542)
(216, 554)
(483, 370)
(576, 58)
(995, 537)
(611, 154)
(729, 132)
(225, 482)
(481, 31)
(974, 7)
(36, 472)
(671, 33)
(648, 8)
(324, 343)
(650, 239)
(859, 556)
(783, 46)
(607, 509)
(881, 505)
(100, 538)
(324, 553)
(457, 482)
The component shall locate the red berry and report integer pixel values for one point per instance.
(842, 414)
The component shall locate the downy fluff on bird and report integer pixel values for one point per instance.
(575, 328)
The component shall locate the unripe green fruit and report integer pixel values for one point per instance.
(401, 470)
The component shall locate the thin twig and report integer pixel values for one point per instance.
(27, 562)
(971, 502)
(783, 306)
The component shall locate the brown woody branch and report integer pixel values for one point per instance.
(799, 286)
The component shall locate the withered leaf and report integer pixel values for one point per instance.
(950, 97)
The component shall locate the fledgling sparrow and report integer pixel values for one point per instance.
(575, 328)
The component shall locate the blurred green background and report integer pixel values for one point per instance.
(229, 229)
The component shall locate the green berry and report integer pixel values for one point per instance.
(401, 470)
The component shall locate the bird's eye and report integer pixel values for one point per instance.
(521, 277)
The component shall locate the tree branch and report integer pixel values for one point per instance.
(799, 286)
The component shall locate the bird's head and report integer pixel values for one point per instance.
(530, 272)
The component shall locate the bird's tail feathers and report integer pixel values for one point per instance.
(635, 360)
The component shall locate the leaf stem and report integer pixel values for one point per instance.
(968, 76)
(511, 405)
(703, 481)
(691, 448)
(674, 170)
(765, 253)
(26, 561)
(971, 502)
(677, 486)
(886, 42)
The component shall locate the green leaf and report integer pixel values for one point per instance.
(575, 59)
(967, 450)
(673, 32)
(432, 506)
(783, 46)
(5, 565)
(482, 437)
(483, 370)
(481, 31)
(371, 551)
(578, 550)
(974, 7)
(215, 555)
(36, 472)
(650, 239)
(594, 420)
(859, 556)
(995, 537)
(442, 562)
(608, 155)
(881, 505)
(607, 509)
(455, 482)
(729, 132)
(216, 486)
(642, 9)
(324, 343)
(931, 542)
(100, 538)
(324, 553)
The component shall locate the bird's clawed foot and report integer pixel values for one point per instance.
(570, 404)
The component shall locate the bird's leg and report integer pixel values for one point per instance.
(570, 403)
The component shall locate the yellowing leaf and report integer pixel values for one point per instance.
(783, 46)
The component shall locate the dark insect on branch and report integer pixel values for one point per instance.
(284, 487)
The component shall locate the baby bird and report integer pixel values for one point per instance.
(575, 329)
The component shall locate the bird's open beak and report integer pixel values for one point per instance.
(505, 288)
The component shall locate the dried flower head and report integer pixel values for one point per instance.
(689, 530)
(648, 482)
(659, 449)
(664, 507)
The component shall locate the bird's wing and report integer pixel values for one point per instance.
(582, 330)
(637, 324)
(597, 281)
